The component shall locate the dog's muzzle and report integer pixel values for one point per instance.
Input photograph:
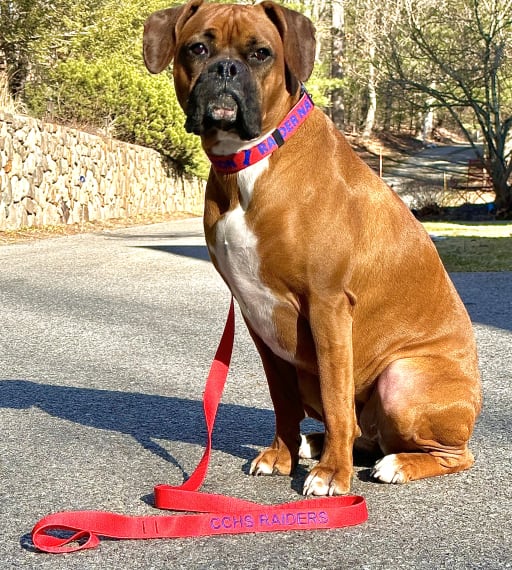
(225, 97)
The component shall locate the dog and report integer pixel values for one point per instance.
(350, 308)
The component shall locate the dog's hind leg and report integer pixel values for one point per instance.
(404, 467)
(365, 451)
(311, 445)
(426, 413)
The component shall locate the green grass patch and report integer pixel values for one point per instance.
(473, 246)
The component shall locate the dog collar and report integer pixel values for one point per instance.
(231, 163)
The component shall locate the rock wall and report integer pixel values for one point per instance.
(51, 175)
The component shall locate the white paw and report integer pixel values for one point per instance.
(305, 449)
(387, 470)
(311, 445)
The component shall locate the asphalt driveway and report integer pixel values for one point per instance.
(429, 166)
(105, 343)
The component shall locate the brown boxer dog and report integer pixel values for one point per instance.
(356, 320)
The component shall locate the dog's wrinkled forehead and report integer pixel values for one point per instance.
(233, 26)
(230, 27)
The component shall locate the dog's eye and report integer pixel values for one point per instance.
(198, 49)
(260, 55)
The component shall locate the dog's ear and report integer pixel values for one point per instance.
(298, 35)
(160, 33)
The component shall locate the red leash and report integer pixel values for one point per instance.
(218, 514)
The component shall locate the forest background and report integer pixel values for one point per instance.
(419, 67)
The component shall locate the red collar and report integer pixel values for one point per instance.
(231, 163)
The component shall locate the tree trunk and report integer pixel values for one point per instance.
(500, 178)
(428, 118)
(337, 40)
(503, 202)
(372, 96)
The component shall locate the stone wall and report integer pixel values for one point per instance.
(51, 175)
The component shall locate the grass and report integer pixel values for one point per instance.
(473, 246)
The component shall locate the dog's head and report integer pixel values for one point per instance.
(234, 66)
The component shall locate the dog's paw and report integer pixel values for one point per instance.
(323, 481)
(311, 445)
(388, 470)
(272, 462)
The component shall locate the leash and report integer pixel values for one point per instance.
(215, 514)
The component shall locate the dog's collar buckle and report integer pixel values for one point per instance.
(229, 164)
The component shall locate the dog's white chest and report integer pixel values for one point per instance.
(237, 256)
(236, 252)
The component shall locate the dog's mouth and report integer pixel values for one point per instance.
(233, 108)
(223, 111)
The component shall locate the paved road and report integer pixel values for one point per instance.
(429, 166)
(106, 341)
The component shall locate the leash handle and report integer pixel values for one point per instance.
(242, 517)
(215, 514)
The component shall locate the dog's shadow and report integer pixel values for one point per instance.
(147, 418)
(239, 430)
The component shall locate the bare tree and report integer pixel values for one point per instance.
(366, 28)
(460, 57)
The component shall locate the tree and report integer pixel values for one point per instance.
(367, 31)
(22, 21)
(33, 31)
(136, 107)
(461, 59)
(92, 74)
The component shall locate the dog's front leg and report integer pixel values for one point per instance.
(281, 457)
(331, 326)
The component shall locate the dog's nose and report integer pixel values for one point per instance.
(226, 69)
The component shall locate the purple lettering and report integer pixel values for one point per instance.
(262, 147)
(230, 163)
(290, 519)
(264, 520)
(215, 523)
(271, 143)
(323, 518)
(247, 157)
